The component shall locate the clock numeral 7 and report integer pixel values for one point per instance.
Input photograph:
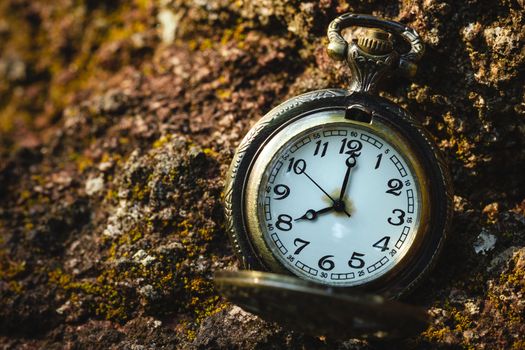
(301, 243)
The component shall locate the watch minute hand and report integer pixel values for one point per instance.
(350, 163)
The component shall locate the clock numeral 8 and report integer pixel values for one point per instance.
(284, 222)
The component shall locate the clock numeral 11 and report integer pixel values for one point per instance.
(318, 147)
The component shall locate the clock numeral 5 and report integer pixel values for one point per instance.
(355, 261)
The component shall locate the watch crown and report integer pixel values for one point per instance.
(376, 42)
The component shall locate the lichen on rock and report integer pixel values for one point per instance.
(117, 124)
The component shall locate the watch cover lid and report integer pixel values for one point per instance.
(319, 310)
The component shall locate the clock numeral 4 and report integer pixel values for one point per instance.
(382, 243)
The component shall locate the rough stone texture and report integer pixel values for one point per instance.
(118, 121)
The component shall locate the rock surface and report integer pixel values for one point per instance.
(117, 124)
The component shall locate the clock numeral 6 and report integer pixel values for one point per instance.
(298, 166)
(325, 263)
(284, 222)
(281, 190)
(355, 261)
(400, 217)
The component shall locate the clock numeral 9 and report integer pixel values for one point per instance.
(281, 190)
(325, 263)
(355, 261)
(395, 187)
(400, 217)
(298, 166)
(284, 222)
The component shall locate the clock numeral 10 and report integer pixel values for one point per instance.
(298, 166)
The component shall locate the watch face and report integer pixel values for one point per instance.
(335, 201)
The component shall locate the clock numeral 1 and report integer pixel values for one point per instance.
(355, 261)
(301, 243)
(318, 147)
(378, 163)
(325, 263)
(382, 243)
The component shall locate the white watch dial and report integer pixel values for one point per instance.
(338, 205)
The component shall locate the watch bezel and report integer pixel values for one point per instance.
(382, 110)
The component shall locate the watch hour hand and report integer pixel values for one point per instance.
(312, 214)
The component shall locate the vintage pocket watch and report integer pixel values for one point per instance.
(337, 200)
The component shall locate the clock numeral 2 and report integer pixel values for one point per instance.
(395, 187)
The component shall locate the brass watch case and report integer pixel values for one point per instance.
(389, 121)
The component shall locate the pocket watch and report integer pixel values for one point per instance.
(337, 201)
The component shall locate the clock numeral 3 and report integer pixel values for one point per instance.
(284, 222)
(355, 261)
(400, 217)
